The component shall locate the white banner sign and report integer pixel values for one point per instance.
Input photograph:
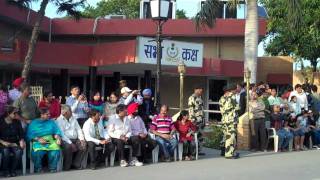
(172, 52)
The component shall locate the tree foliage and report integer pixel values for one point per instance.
(181, 14)
(68, 6)
(302, 41)
(129, 8)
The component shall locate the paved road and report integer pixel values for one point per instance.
(257, 166)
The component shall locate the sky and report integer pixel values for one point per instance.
(191, 7)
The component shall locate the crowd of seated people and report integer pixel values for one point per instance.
(86, 131)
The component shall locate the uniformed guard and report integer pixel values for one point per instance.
(195, 104)
(228, 108)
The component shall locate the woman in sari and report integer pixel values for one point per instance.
(45, 136)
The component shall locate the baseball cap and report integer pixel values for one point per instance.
(125, 89)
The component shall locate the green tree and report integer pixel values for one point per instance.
(208, 15)
(302, 42)
(181, 14)
(129, 8)
(67, 6)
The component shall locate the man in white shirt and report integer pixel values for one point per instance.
(301, 96)
(96, 136)
(73, 139)
(119, 130)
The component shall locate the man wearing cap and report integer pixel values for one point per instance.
(228, 108)
(15, 93)
(128, 96)
(139, 131)
(147, 109)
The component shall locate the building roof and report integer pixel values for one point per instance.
(127, 27)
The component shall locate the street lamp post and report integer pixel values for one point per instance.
(181, 71)
(159, 13)
(247, 76)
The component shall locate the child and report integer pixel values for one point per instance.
(295, 106)
(186, 131)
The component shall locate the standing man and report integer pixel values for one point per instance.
(195, 104)
(15, 93)
(73, 139)
(228, 108)
(79, 105)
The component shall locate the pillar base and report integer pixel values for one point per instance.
(244, 133)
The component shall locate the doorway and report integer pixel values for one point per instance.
(215, 91)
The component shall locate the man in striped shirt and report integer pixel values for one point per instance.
(162, 126)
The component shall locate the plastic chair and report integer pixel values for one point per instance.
(180, 147)
(24, 159)
(272, 134)
(59, 165)
(84, 163)
(155, 151)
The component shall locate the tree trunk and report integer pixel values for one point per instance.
(314, 64)
(33, 40)
(251, 39)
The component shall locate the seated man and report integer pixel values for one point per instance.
(163, 127)
(282, 128)
(139, 131)
(95, 135)
(120, 131)
(73, 139)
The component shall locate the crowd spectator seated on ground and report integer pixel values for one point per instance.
(48, 101)
(311, 131)
(79, 105)
(11, 141)
(96, 136)
(119, 129)
(139, 132)
(163, 127)
(27, 106)
(73, 142)
(280, 124)
(186, 130)
(45, 137)
(299, 130)
(96, 102)
(129, 96)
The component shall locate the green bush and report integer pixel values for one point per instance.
(213, 138)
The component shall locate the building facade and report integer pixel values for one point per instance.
(97, 53)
